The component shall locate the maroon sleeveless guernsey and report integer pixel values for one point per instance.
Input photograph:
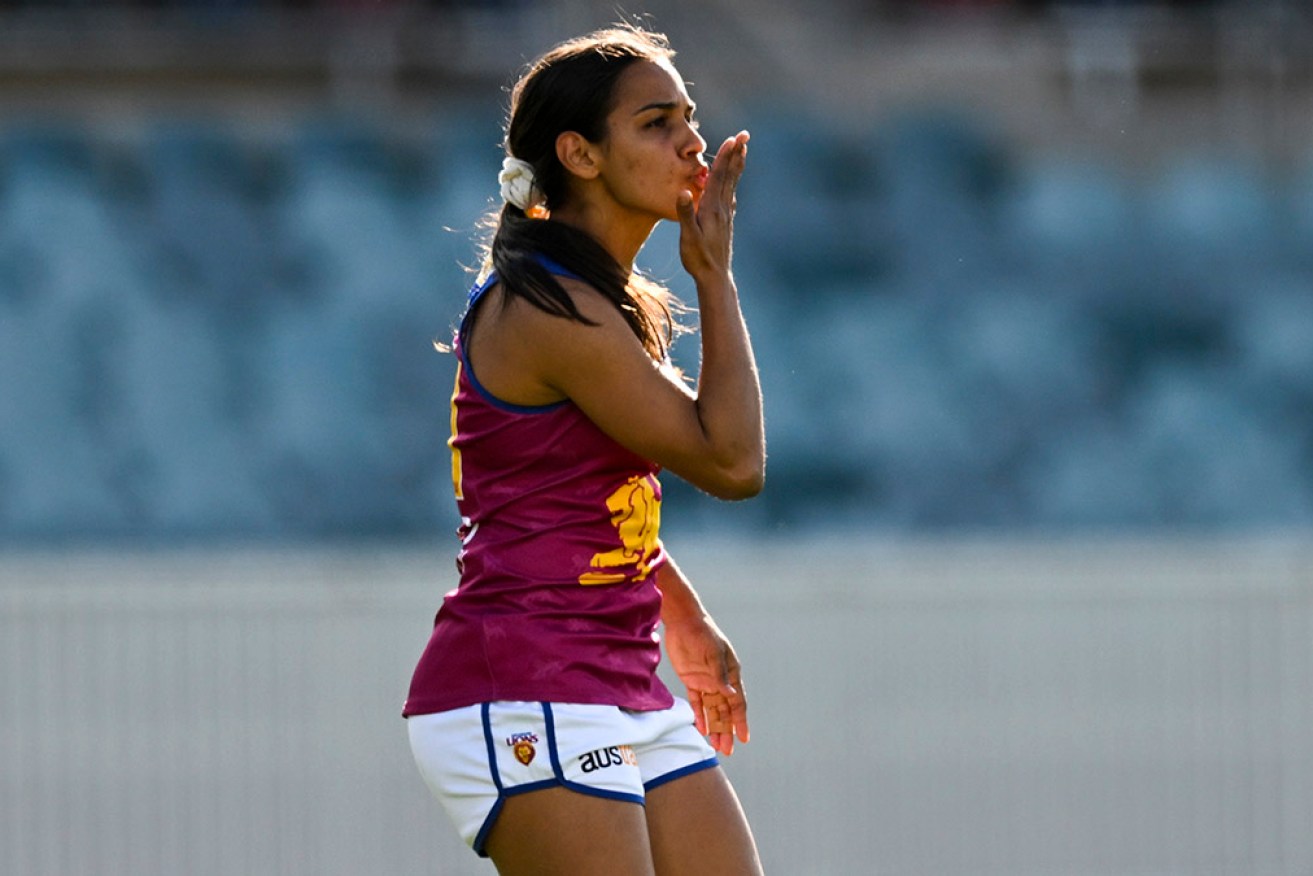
(559, 538)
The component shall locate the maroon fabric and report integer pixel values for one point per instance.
(560, 538)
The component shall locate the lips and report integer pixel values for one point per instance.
(700, 178)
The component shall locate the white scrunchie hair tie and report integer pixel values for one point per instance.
(517, 184)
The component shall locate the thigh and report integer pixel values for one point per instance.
(558, 831)
(696, 825)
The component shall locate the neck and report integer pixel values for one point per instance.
(622, 235)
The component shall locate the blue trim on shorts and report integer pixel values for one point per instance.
(481, 838)
(713, 761)
(492, 749)
(620, 796)
(575, 786)
(491, 818)
(559, 780)
(550, 721)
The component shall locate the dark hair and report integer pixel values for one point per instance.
(571, 88)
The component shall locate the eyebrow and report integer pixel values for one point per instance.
(665, 106)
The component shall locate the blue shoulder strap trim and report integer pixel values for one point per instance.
(477, 290)
(475, 294)
(556, 267)
(552, 266)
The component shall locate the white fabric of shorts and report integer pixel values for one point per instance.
(475, 757)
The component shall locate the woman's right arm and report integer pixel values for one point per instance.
(712, 436)
(729, 389)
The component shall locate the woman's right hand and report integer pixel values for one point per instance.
(706, 224)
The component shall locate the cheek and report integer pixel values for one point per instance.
(636, 169)
(647, 175)
(646, 179)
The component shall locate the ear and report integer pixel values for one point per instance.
(577, 155)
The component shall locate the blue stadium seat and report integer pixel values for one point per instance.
(58, 438)
(942, 179)
(464, 154)
(344, 213)
(1216, 459)
(1210, 214)
(215, 335)
(1298, 206)
(1072, 220)
(809, 206)
(1025, 358)
(193, 426)
(1273, 337)
(1091, 474)
(463, 157)
(208, 227)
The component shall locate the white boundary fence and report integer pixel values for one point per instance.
(1122, 708)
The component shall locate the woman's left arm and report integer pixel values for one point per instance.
(704, 660)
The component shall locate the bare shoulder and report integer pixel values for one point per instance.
(591, 304)
(515, 347)
(604, 337)
(525, 355)
(598, 361)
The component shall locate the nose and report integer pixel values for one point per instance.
(695, 145)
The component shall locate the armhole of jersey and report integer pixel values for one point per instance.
(477, 292)
(476, 295)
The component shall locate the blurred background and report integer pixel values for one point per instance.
(1031, 289)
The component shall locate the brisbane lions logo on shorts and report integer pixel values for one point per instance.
(522, 746)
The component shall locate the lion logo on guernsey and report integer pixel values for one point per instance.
(522, 746)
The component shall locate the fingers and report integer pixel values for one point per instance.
(706, 221)
(721, 716)
(739, 719)
(733, 148)
(728, 165)
(723, 729)
(732, 708)
(720, 729)
(699, 716)
(706, 235)
(733, 702)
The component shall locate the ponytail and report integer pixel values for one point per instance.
(515, 253)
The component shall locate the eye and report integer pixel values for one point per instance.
(658, 122)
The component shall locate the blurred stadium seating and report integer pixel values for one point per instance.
(207, 330)
(1030, 283)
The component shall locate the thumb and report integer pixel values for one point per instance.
(684, 208)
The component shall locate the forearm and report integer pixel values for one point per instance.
(729, 391)
(729, 388)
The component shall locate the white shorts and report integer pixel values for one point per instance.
(474, 758)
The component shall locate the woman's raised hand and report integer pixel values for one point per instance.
(706, 225)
